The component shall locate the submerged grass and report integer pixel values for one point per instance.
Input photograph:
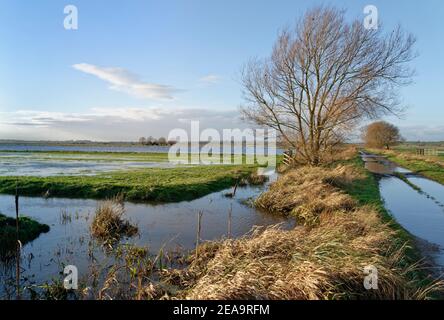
(151, 184)
(86, 156)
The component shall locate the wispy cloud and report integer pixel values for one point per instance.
(124, 81)
(210, 79)
(111, 124)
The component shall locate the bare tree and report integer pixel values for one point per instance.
(323, 77)
(162, 141)
(381, 134)
(150, 140)
(142, 140)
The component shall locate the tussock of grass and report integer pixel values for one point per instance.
(255, 179)
(309, 191)
(108, 224)
(28, 230)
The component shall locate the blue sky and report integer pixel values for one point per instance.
(138, 67)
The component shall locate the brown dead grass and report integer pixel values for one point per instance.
(409, 156)
(435, 160)
(325, 262)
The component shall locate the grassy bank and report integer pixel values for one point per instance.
(151, 184)
(28, 230)
(431, 167)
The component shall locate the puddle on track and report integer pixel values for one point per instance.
(420, 213)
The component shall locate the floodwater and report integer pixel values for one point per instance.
(81, 148)
(419, 212)
(53, 160)
(47, 164)
(237, 148)
(380, 165)
(169, 226)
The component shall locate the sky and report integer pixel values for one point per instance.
(142, 68)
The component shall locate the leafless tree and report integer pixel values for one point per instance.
(323, 77)
(162, 141)
(381, 134)
(142, 140)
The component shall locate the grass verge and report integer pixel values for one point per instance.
(151, 184)
(366, 192)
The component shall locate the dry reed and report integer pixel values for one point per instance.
(108, 224)
(307, 192)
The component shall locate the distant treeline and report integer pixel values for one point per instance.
(159, 142)
(151, 141)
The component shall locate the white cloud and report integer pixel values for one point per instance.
(423, 133)
(124, 81)
(210, 79)
(111, 124)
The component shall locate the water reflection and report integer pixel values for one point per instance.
(380, 165)
(170, 225)
(420, 213)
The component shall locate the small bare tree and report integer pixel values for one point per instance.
(323, 77)
(381, 134)
(162, 141)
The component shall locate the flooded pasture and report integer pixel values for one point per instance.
(47, 160)
(166, 226)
